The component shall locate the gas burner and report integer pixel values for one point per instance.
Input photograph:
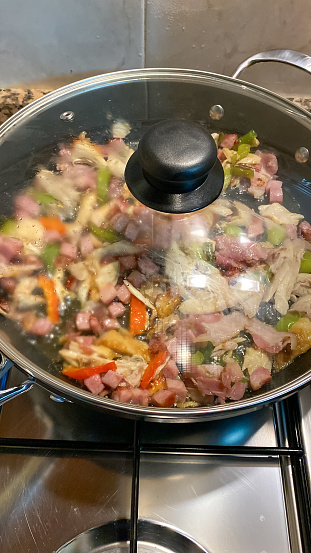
(114, 537)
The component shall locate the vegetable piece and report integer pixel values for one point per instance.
(51, 297)
(276, 236)
(305, 265)
(227, 179)
(123, 342)
(81, 373)
(49, 254)
(53, 223)
(234, 230)
(152, 368)
(238, 171)
(196, 250)
(286, 322)
(103, 179)
(248, 138)
(8, 227)
(197, 358)
(209, 252)
(302, 329)
(43, 198)
(137, 316)
(105, 234)
(243, 150)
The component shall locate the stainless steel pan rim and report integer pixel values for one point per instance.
(65, 389)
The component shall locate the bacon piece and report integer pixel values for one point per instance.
(259, 377)
(228, 141)
(83, 320)
(267, 338)
(107, 293)
(178, 388)
(94, 384)
(227, 327)
(112, 379)
(255, 229)
(231, 378)
(232, 252)
(170, 371)
(164, 398)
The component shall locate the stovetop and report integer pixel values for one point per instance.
(234, 486)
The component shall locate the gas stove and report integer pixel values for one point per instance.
(76, 480)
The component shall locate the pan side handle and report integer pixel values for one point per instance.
(10, 393)
(290, 57)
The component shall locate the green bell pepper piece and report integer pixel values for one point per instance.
(227, 179)
(276, 236)
(197, 358)
(238, 171)
(103, 179)
(234, 230)
(243, 150)
(8, 227)
(248, 138)
(105, 234)
(208, 251)
(197, 250)
(43, 198)
(286, 322)
(49, 254)
(305, 265)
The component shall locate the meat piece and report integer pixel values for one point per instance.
(9, 248)
(227, 327)
(42, 327)
(115, 189)
(258, 184)
(110, 324)
(136, 396)
(83, 320)
(8, 284)
(231, 377)
(127, 262)
(291, 231)
(116, 309)
(207, 384)
(95, 325)
(267, 338)
(136, 278)
(51, 236)
(164, 398)
(220, 154)
(112, 379)
(199, 322)
(228, 141)
(124, 294)
(305, 230)
(255, 229)
(147, 266)
(94, 384)
(84, 177)
(275, 191)
(232, 252)
(69, 250)
(86, 245)
(107, 293)
(26, 207)
(120, 221)
(170, 370)
(302, 306)
(85, 343)
(269, 162)
(131, 231)
(178, 388)
(259, 377)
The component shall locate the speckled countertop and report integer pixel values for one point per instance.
(13, 99)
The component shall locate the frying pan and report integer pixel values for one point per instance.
(143, 97)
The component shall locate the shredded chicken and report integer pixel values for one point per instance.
(302, 306)
(23, 293)
(302, 286)
(244, 215)
(279, 214)
(60, 187)
(132, 369)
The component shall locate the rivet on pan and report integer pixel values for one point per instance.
(67, 116)
(216, 112)
(302, 155)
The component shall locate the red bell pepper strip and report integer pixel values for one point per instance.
(137, 316)
(81, 373)
(152, 368)
(53, 223)
(51, 297)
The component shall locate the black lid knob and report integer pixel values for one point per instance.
(175, 168)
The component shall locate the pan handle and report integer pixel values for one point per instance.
(10, 393)
(302, 61)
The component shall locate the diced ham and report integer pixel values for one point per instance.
(124, 294)
(83, 320)
(86, 245)
(83, 176)
(269, 162)
(8, 283)
(27, 206)
(199, 321)
(237, 391)
(164, 398)
(112, 379)
(231, 377)
(158, 343)
(110, 324)
(232, 252)
(107, 293)
(120, 221)
(95, 325)
(136, 396)
(127, 262)
(147, 266)
(259, 377)
(51, 236)
(305, 230)
(178, 388)
(9, 248)
(42, 327)
(227, 327)
(267, 338)
(116, 309)
(170, 370)
(131, 231)
(275, 191)
(255, 229)
(228, 141)
(94, 384)
(207, 384)
(136, 278)
(85, 343)
(291, 231)
(220, 154)
(115, 189)
(69, 250)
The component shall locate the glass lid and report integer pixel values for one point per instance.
(155, 244)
